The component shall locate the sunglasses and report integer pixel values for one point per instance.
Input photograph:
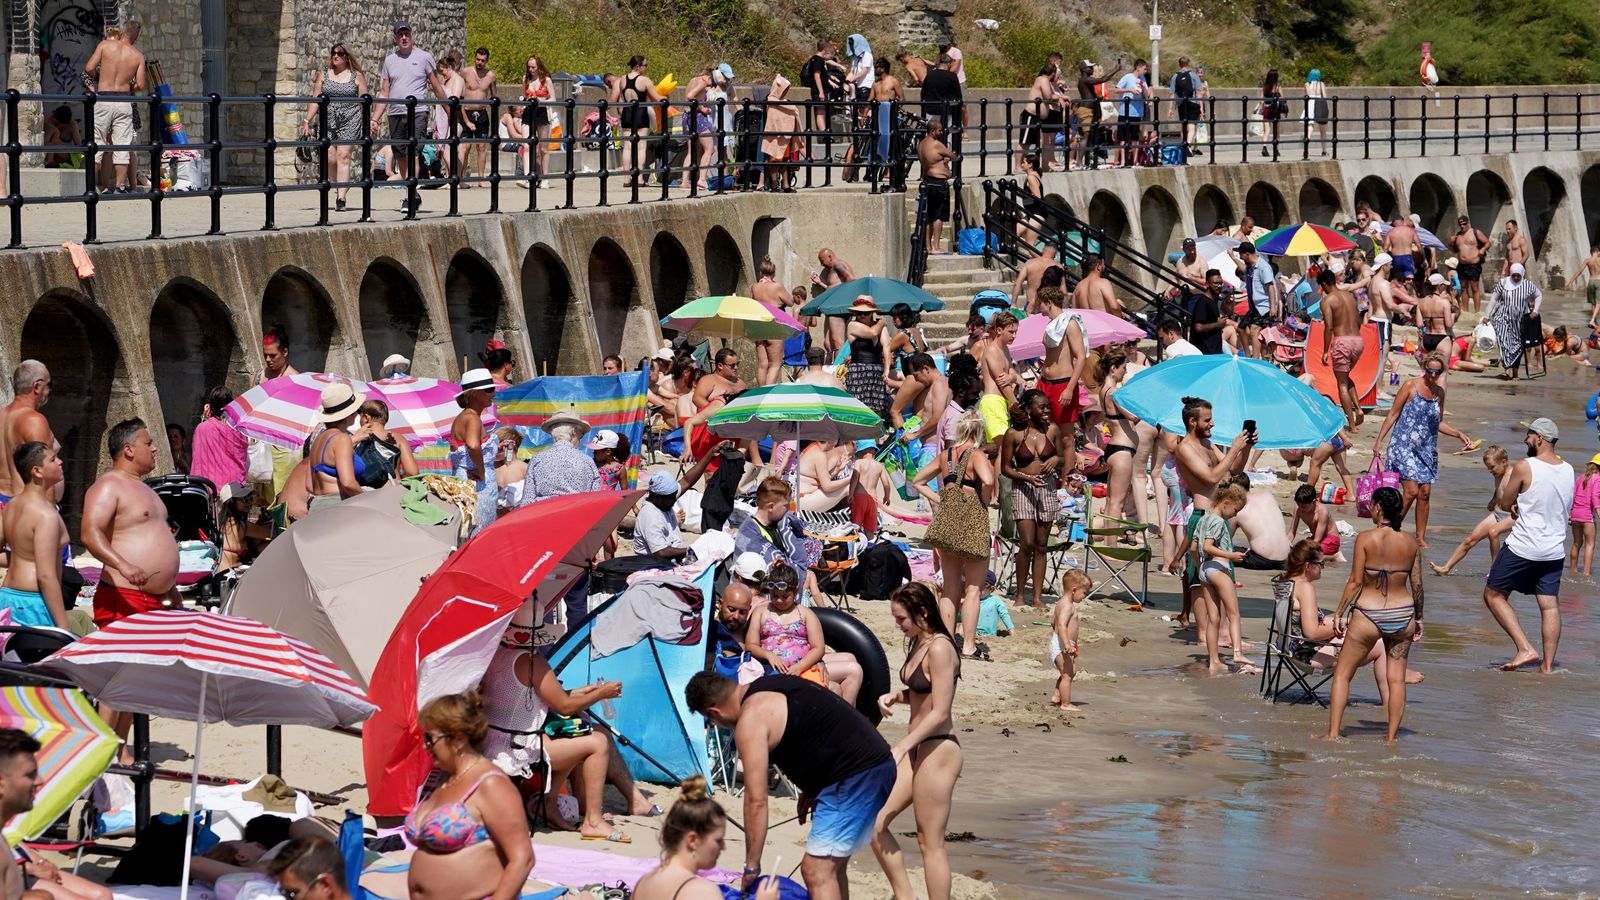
(340, 53)
(429, 739)
(294, 893)
(1433, 373)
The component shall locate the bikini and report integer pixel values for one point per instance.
(1114, 449)
(918, 682)
(1018, 462)
(449, 828)
(1390, 620)
(322, 467)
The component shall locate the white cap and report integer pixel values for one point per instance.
(604, 439)
(748, 566)
(1416, 219)
(1381, 260)
(1518, 269)
(1436, 278)
(665, 353)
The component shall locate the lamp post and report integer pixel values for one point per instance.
(1155, 43)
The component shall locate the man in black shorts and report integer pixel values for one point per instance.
(935, 158)
(840, 763)
(1186, 88)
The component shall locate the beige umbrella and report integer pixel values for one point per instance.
(340, 579)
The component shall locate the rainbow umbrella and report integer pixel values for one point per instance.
(733, 317)
(420, 409)
(76, 747)
(283, 411)
(1100, 328)
(1304, 239)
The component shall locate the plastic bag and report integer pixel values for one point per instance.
(260, 468)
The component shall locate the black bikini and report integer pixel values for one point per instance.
(924, 686)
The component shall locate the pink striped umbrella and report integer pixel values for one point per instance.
(420, 409)
(211, 668)
(1100, 328)
(283, 411)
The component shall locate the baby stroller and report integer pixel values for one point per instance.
(192, 506)
(747, 125)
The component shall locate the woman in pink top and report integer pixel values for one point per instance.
(1585, 503)
(221, 455)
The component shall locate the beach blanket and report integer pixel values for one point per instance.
(152, 892)
(554, 870)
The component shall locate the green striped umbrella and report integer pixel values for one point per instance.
(885, 293)
(788, 411)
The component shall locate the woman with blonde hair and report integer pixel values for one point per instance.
(471, 833)
(693, 836)
(959, 532)
(343, 83)
(509, 471)
(535, 118)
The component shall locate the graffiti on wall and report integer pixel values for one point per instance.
(69, 30)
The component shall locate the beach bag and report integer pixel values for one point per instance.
(1483, 337)
(558, 726)
(1375, 478)
(260, 468)
(1258, 123)
(969, 241)
(961, 523)
(880, 569)
(1108, 112)
(1202, 134)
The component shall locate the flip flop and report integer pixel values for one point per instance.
(615, 837)
(1471, 447)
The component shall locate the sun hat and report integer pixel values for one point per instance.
(568, 416)
(475, 380)
(1545, 428)
(1451, 263)
(604, 439)
(665, 354)
(863, 304)
(663, 485)
(749, 566)
(1595, 459)
(339, 402)
(1436, 278)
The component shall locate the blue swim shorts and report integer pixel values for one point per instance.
(27, 608)
(846, 812)
(1511, 574)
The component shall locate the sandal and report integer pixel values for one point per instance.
(615, 837)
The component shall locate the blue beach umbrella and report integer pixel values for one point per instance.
(1288, 414)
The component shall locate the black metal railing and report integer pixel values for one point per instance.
(772, 145)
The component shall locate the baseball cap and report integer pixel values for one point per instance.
(663, 485)
(665, 353)
(866, 444)
(1247, 247)
(1416, 219)
(1188, 242)
(1381, 260)
(401, 25)
(1436, 278)
(749, 566)
(1545, 428)
(604, 439)
(1595, 459)
(726, 71)
(1518, 269)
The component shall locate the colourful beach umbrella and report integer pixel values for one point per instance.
(805, 411)
(885, 293)
(1288, 413)
(1304, 239)
(76, 747)
(733, 317)
(420, 409)
(283, 411)
(1100, 328)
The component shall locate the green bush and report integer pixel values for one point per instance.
(1530, 42)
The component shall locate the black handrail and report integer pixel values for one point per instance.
(917, 265)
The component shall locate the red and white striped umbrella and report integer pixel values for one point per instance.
(420, 409)
(211, 668)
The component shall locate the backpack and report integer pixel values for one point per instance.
(808, 74)
(1183, 85)
(879, 569)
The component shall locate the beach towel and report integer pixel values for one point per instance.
(571, 866)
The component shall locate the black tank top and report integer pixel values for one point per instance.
(826, 740)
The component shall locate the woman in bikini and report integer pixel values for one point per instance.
(1030, 457)
(1123, 441)
(929, 756)
(1382, 603)
(535, 118)
(965, 568)
(908, 340)
(336, 471)
(471, 833)
(1301, 571)
(692, 839)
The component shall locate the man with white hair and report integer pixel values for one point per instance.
(21, 421)
(561, 468)
(1516, 300)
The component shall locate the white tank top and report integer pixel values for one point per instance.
(1540, 532)
(515, 711)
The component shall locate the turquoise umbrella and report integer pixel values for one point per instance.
(1288, 413)
(885, 292)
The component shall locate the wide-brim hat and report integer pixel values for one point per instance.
(863, 304)
(568, 416)
(475, 380)
(339, 402)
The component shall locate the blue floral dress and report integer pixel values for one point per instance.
(1414, 442)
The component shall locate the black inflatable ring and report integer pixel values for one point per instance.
(846, 634)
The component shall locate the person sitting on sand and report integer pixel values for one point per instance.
(784, 634)
(1301, 571)
(1213, 543)
(1064, 636)
(1494, 525)
(1318, 520)
(692, 838)
(1261, 523)
(1382, 604)
(19, 869)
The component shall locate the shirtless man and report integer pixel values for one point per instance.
(1470, 245)
(1517, 250)
(1384, 298)
(1261, 523)
(928, 392)
(710, 393)
(125, 527)
(480, 84)
(1190, 266)
(1031, 277)
(832, 271)
(117, 68)
(34, 532)
(1042, 117)
(817, 373)
(916, 67)
(769, 354)
(1400, 243)
(993, 354)
(1590, 268)
(21, 421)
(1341, 342)
(1094, 290)
(1318, 520)
(1061, 372)
(1201, 468)
(935, 158)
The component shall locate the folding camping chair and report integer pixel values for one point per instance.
(1289, 652)
(839, 557)
(1067, 533)
(1118, 558)
(1533, 348)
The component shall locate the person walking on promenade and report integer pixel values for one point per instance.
(343, 83)
(118, 70)
(635, 92)
(1539, 494)
(480, 82)
(1515, 301)
(1317, 110)
(535, 116)
(409, 72)
(1273, 108)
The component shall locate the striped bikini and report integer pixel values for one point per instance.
(1390, 620)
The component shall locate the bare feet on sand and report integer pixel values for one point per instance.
(1438, 569)
(1525, 658)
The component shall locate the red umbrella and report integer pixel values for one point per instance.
(449, 632)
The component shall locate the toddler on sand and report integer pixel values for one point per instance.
(1064, 636)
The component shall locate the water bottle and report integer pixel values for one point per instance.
(608, 709)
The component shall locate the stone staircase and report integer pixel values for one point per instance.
(954, 279)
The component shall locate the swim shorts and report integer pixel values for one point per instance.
(112, 604)
(1330, 543)
(1254, 560)
(996, 417)
(1063, 410)
(1593, 292)
(27, 607)
(1345, 352)
(1511, 574)
(846, 813)
(1405, 266)
(1470, 272)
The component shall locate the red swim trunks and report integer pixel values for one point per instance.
(1345, 352)
(1065, 410)
(112, 603)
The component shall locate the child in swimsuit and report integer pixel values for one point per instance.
(784, 634)
(1064, 636)
(1213, 538)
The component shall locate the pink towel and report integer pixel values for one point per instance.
(80, 260)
